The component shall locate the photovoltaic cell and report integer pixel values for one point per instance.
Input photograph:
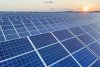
(7, 27)
(53, 53)
(34, 32)
(43, 40)
(16, 22)
(96, 64)
(31, 28)
(1, 34)
(43, 30)
(63, 34)
(95, 34)
(11, 36)
(95, 47)
(77, 30)
(68, 62)
(24, 34)
(86, 28)
(5, 23)
(56, 27)
(15, 47)
(19, 26)
(84, 57)
(72, 44)
(9, 32)
(95, 26)
(28, 60)
(87, 39)
(2, 38)
(21, 30)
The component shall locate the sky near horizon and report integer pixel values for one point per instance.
(36, 5)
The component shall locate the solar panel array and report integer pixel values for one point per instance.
(49, 39)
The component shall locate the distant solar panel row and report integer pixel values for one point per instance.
(60, 48)
(18, 25)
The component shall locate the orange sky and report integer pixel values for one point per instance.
(35, 5)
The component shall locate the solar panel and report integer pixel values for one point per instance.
(86, 28)
(43, 40)
(63, 34)
(77, 30)
(95, 47)
(15, 47)
(69, 61)
(95, 34)
(84, 57)
(53, 53)
(87, 39)
(72, 45)
(30, 39)
(31, 59)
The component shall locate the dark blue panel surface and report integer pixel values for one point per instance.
(17, 22)
(9, 32)
(68, 62)
(5, 23)
(72, 44)
(55, 27)
(95, 34)
(28, 60)
(77, 30)
(19, 26)
(31, 28)
(7, 27)
(43, 40)
(26, 21)
(37, 24)
(21, 30)
(42, 31)
(95, 47)
(34, 32)
(24, 34)
(63, 34)
(1, 34)
(84, 57)
(2, 38)
(86, 39)
(15, 47)
(96, 64)
(53, 53)
(40, 27)
(11, 37)
(87, 28)
(50, 29)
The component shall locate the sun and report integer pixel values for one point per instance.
(85, 9)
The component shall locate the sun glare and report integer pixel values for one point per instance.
(85, 9)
